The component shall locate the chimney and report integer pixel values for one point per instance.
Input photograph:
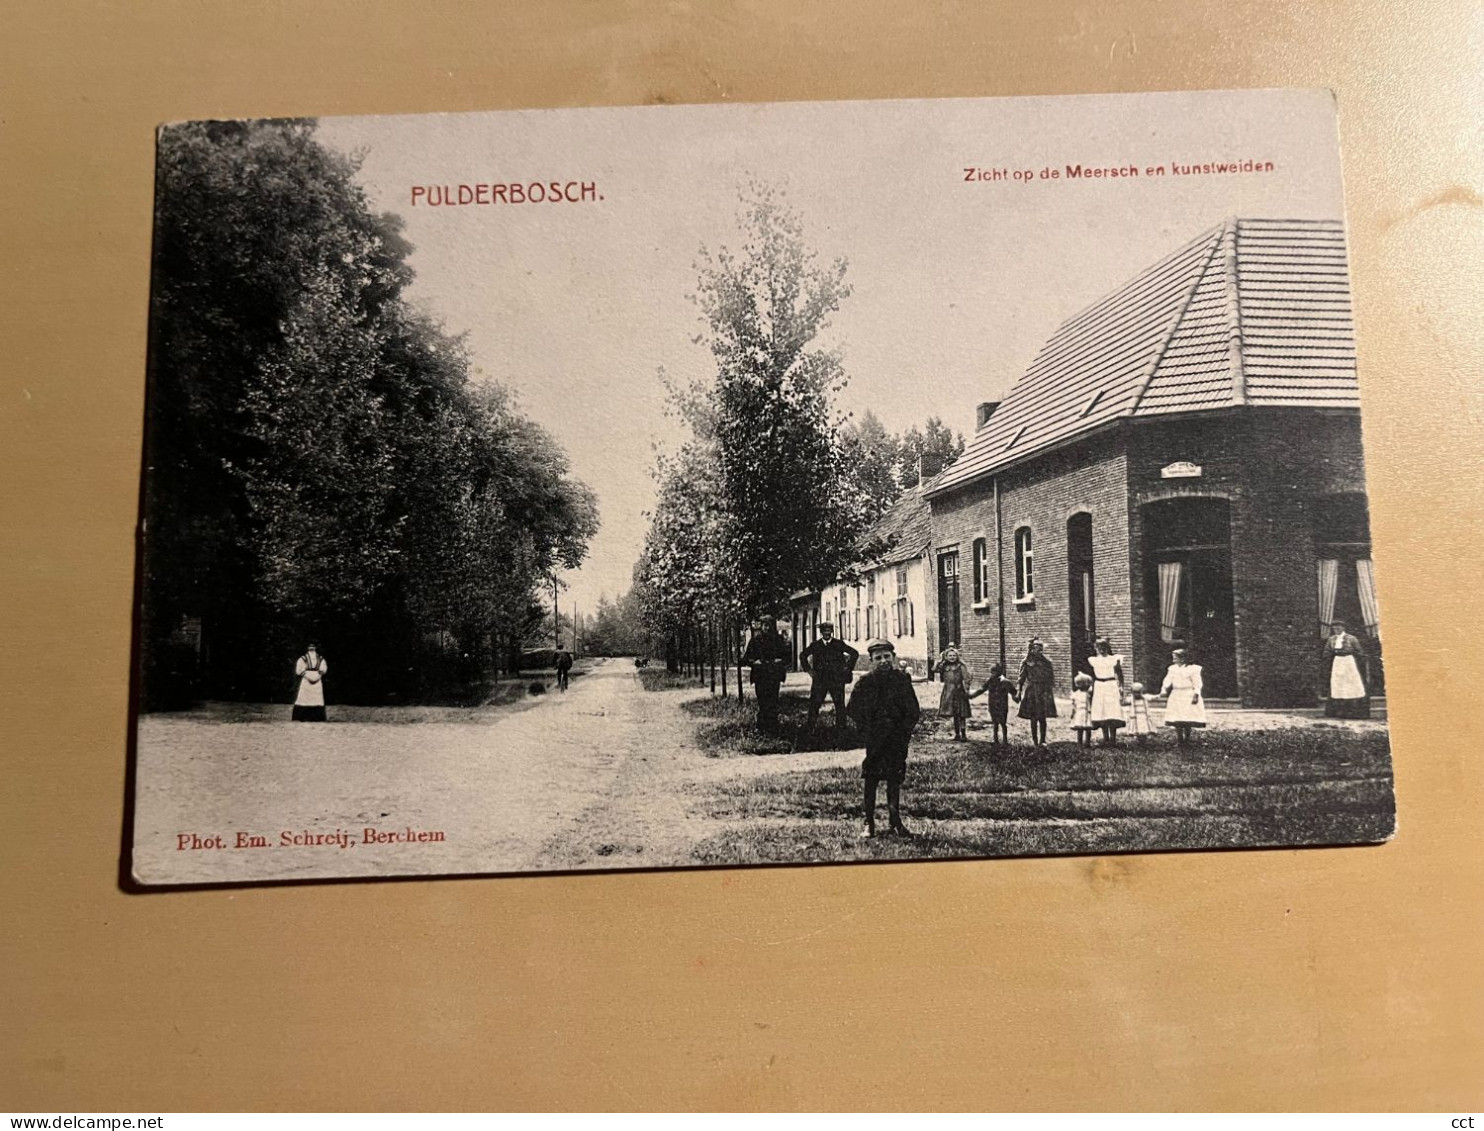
(983, 413)
(927, 467)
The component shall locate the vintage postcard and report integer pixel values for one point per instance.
(738, 484)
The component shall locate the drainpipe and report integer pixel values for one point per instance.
(999, 569)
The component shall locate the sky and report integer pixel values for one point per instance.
(576, 307)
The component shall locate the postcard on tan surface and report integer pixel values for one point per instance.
(739, 484)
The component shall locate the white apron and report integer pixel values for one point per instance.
(1182, 689)
(1344, 679)
(311, 685)
(1107, 707)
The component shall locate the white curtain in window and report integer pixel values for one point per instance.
(1169, 599)
(1329, 582)
(1365, 580)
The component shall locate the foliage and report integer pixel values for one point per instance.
(885, 465)
(936, 443)
(616, 628)
(873, 454)
(761, 501)
(318, 461)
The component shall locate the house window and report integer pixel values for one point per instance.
(902, 621)
(981, 571)
(1025, 582)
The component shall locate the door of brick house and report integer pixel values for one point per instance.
(948, 611)
(1081, 599)
(1188, 587)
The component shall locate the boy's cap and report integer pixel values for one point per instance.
(880, 646)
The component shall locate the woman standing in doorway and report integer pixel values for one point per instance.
(309, 703)
(1037, 691)
(1348, 697)
(1107, 691)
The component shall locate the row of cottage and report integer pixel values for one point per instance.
(1180, 464)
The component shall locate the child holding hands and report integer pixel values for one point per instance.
(1082, 708)
(1000, 691)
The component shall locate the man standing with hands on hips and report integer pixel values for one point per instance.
(829, 663)
(884, 705)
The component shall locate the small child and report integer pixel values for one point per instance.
(1138, 715)
(1000, 691)
(1082, 708)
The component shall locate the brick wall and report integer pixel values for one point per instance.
(1270, 464)
(1043, 495)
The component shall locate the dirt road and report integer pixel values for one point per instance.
(601, 776)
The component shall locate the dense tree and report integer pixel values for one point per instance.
(873, 455)
(318, 461)
(783, 475)
(616, 628)
(935, 441)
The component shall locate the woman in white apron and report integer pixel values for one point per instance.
(1184, 707)
(309, 703)
(1348, 696)
(1107, 691)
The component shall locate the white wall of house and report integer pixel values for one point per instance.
(890, 603)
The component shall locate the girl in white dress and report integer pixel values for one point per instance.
(1138, 714)
(1184, 707)
(1107, 691)
(1082, 708)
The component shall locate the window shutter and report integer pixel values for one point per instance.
(911, 619)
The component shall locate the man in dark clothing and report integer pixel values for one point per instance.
(767, 654)
(884, 705)
(829, 663)
(563, 666)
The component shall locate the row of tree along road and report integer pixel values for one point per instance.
(774, 489)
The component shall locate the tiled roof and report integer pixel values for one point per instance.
(907, 525)
(1251, 312)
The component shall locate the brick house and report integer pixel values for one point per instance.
(1180, 463)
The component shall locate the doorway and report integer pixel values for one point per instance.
(948, 611)
(1188, 588)
(1081, 591)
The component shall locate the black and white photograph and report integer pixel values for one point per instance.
(793, 483)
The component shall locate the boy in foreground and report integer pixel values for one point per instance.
(884, 706)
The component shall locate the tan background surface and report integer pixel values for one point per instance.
(1305, 979)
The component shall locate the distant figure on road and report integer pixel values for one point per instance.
(884, 706)
(563, 666)
(1348, 696)
(829, 663)
(309, 701)
(767, 654)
